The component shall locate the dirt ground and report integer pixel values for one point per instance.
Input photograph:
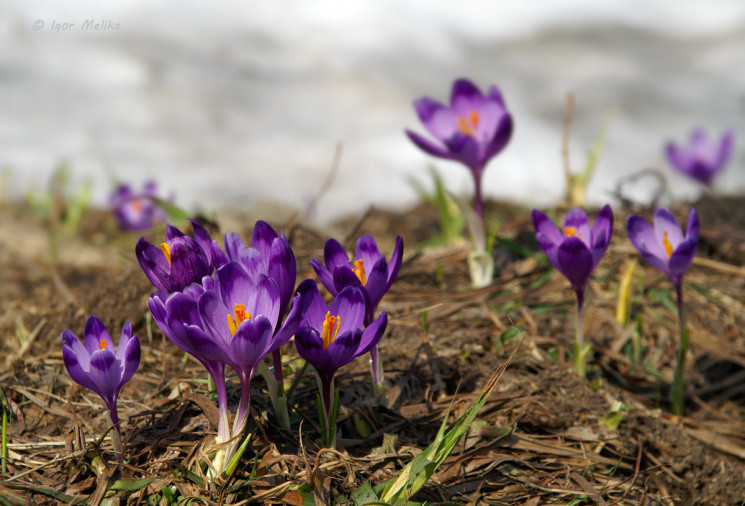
(541, 438)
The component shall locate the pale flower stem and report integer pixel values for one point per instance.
(677, 390)
(580, 357)
(116, 434)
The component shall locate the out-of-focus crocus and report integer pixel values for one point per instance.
(703, 158)
(136, 211)
(269, 255)
(369, 271)
(331, 336)
(471, 130)
(664, 246)
(575, 251)
(101, 366)
(181, 260)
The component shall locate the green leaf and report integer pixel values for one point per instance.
(618, 411)
(237, 457)
(131, 485)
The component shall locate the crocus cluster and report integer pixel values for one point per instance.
(101, 366)
(575, 251)
(471, 130)
(665, 247)
(136, 211)
(703, 158)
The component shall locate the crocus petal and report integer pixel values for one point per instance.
(235, 285)
(367, 251)
(394, 264)
(324, 275)
(543, 225)
(334, 254)
(214, 315)
(502, 135)
(154, 264)
(106, 374)
(664, 221)
(349, 305)
(264, 300)
(203, 239)
(372, 334)
(76, 371)
(283, 269)
(495, 96)
(81, 352)
(289, 325)
(211, 347)
(429, 147)
(233, 245)
(436, 118)
(310, 346)
(575, 261)
(313, 308)
(465, 97)
(173, 233)
(643, 237)
(725, 148)
(188, 262)
(377, 284)
(251, 341)
(262, 238)
(682, 257)
(130, 358)
(601, 233)
(344, 276)
(95, 332)
(425, 108)
(692, 227)
(465, 149)
(550, 248)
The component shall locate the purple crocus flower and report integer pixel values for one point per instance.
(181, 260)
(665, 248)
(703, 158)
(101, 366)
(369, 271)
(663, 244)
(330, 336)
(575, 251)
(136, 211)
(471, 130)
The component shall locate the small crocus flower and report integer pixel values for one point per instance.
(664, 246)
(179, 261)
(703, 158)
(471, 130)
(575, 251)
(101, 366)
(369, 271)
(331, 336)
(135, 211)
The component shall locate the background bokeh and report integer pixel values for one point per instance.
(235, 103)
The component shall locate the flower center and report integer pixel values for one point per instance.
(359, 271)
(666, 243)
(239, 316)
(102, 345)
(330, 329)
(571, 231)
(468, 124)
(137, 205)
(166, 251)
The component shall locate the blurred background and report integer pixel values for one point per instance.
(234, 103)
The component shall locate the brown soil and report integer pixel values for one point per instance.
(537, 440)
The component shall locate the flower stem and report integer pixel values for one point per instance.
(223, 424)
(478, 204)
(580, 349)
(677, 390)
(326, 383)
(116, 434)
(376, 370)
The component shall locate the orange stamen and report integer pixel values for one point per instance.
(330, 329)
(359, 271)
(666, 243)
(166, 251)
(569, 231)
(468, 125)
(239, 316)
(102, 345)
(137, 205)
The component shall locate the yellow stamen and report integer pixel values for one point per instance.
(102, 345)
(166, 251)
(666, 243)
(239, 316)
(330, 329)
(359, 270)
(569, 231)
(468, 125)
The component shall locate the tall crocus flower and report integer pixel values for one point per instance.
(703, 158)
(471, 130)
(330, 336)
(369, 271)
(136, 211)
(664, 246)
(101, 366)
(575, 251)
(179, 261)
(269, 255)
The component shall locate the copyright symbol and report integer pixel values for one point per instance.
(38, 25)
